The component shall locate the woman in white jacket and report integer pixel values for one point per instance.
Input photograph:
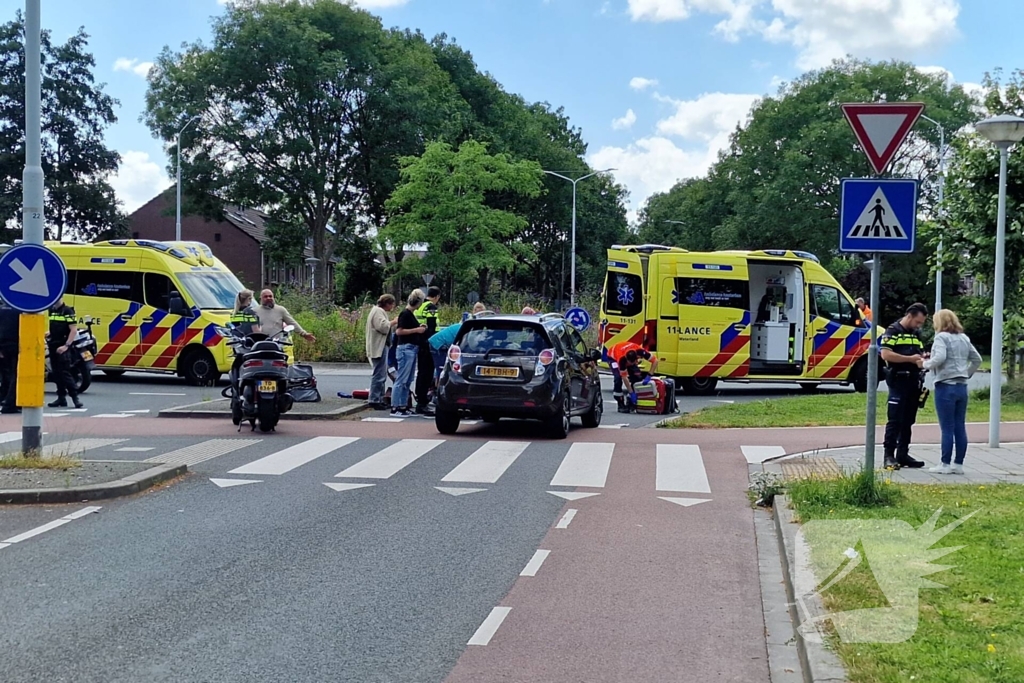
(953, 361)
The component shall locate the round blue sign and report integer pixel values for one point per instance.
(579, 318)
(32, 278)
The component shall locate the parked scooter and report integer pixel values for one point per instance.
(82, 357)
(259, 386)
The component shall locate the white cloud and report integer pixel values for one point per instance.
(655, 163)
(823, 30)
(133, 66)
(641, 83)
(138, 180)
(625, 122)
(706, 117)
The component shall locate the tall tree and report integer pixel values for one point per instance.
(304, 107)
(75, 114)
(971, 196)
(444, 201)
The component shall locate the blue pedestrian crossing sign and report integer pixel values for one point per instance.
(32, 278)
(579, 318)
(877, 216)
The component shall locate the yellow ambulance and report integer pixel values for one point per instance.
(748, 316)
(155, 305)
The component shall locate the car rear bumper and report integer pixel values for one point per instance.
(537, 401)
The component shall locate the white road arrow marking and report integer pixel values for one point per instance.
(346, 487)
(572, 495)
(453, 491)
(32, 281)
(228, 483)
(686, 502)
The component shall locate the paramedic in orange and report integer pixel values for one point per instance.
(618, 354)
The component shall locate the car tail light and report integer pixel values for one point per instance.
(454, 353)
(546, 357)
(456, 367)
(280, 364)
(252, 364)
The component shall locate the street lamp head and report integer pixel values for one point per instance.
(1002, 130)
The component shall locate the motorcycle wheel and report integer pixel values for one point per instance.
(82, 379)
(268, 415)
(236, 412)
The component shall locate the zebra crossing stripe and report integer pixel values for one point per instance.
(295, 456)
(681, 468)
(201, 452)
(388, 462)
(586, 464)
(488, 463)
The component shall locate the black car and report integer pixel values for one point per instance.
(520, 366)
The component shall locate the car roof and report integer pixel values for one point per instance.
(540, 318)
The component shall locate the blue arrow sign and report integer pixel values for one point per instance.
(579, 318)
(32, 278)
(878, 216)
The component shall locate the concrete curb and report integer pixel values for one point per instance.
(202, 410)
(135, 483)
(784, 661)
(819, 664)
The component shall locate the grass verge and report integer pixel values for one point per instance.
(22, 462)
(826, 410)
(967, 632)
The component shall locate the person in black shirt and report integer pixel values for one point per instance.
(903, 353)
(408, 338)
(63, 332)
(9, 339)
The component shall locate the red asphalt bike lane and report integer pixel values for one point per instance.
(635, 588)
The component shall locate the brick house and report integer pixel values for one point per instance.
(237, 240)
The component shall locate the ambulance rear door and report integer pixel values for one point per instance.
(712, 300)
(623, 310)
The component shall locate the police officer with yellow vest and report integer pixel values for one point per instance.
(426, 314)
(63, 332)
(903, 353)
(244, 320)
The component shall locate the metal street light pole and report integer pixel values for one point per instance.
(177, 222)
(942, 208)
(32, 324)
(1002, 131)
(574, 181)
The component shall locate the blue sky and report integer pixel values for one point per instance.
(655, 85)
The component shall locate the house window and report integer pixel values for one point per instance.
(216, 237)
(135, 235)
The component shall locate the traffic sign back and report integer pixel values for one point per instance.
(878, 216)
(882, 128)
(32, 278)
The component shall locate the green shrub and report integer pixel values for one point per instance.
(850, 488)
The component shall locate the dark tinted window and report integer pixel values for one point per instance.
(158, 291)
(507, 336)
(70, 288)
(109, 283)
(623, 294)
(706, 291)
(578, 345)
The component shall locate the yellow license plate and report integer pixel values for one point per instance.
(86, 355)
(268, 385)
(498, 372)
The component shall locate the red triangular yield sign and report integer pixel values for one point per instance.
(882, 128)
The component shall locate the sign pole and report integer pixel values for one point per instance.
(872, 393)
(31, 369)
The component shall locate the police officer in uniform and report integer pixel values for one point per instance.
(426, 314)
(244, 320)
(903, 353)
(63, 331)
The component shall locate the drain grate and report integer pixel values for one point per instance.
(807, 468)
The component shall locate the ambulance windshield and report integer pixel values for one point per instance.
(211, 290)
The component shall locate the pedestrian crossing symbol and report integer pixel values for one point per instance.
(878, 220)
(878, 216)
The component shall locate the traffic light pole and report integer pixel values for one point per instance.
(31, 368)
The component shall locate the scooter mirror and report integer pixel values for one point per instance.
(87, 319)
(288, 328)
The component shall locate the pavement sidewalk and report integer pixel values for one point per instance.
(982, 464)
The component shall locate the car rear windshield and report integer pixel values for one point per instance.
(505, 336)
